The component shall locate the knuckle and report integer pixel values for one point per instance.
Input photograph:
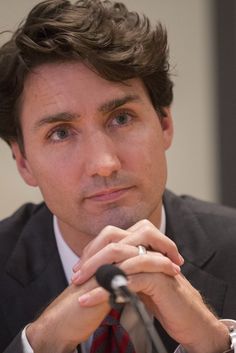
(108, 233)
(114, 249)
(108, 229)
(147, 226)
(145, 222)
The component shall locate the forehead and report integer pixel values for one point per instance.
(72, 85)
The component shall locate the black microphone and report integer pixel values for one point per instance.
(114, 280)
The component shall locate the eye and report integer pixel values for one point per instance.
(60, 133)
(120, 119)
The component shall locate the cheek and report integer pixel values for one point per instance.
(146, 158)
(53, 174)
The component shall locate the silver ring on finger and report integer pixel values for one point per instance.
(141, 250)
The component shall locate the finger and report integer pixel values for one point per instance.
(145, 233)
(150, 263)
(139, 282)
(112, 253)
(109, 234)
(94, 297)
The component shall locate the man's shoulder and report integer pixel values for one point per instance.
(209, 209)
(20, 217)
(12, 226)
(200, 207)
(205, 234)
(214, 218)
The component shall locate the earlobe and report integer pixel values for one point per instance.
(167, 127)
(23, 165)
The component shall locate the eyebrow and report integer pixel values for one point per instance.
(55, 118)
(118, 102)
(104, 108)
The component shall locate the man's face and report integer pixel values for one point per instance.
(95, 148)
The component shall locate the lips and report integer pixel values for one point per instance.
(109, 194)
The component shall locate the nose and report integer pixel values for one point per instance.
(102, 158)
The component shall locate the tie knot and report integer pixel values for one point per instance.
(110, 336)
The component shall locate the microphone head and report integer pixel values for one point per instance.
(105, 275)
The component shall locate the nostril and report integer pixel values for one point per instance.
(104, 165)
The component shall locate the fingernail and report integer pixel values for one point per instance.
(76, 277)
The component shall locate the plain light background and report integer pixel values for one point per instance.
(192, 159)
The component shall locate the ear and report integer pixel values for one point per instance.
(167, 128)
(23, 165)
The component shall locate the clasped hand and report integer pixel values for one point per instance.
(156, 277)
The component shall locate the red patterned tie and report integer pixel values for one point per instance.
(111, 337)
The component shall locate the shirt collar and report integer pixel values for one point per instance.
(67, 255)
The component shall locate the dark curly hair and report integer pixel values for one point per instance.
(118, 44)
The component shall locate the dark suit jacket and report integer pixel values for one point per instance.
(31, 274)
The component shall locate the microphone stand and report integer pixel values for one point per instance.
(124, 295)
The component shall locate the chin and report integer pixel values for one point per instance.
(122, 220)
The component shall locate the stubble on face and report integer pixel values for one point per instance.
(59, 171)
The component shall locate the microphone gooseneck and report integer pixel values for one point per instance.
(114, 280)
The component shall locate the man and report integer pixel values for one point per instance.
(85, 106)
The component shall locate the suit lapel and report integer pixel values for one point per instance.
(184, 228)
(34, 274)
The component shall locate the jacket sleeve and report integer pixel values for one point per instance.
(16, 345)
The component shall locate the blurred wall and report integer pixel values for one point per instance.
(192, 158)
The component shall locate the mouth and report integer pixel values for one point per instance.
(109, 194)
